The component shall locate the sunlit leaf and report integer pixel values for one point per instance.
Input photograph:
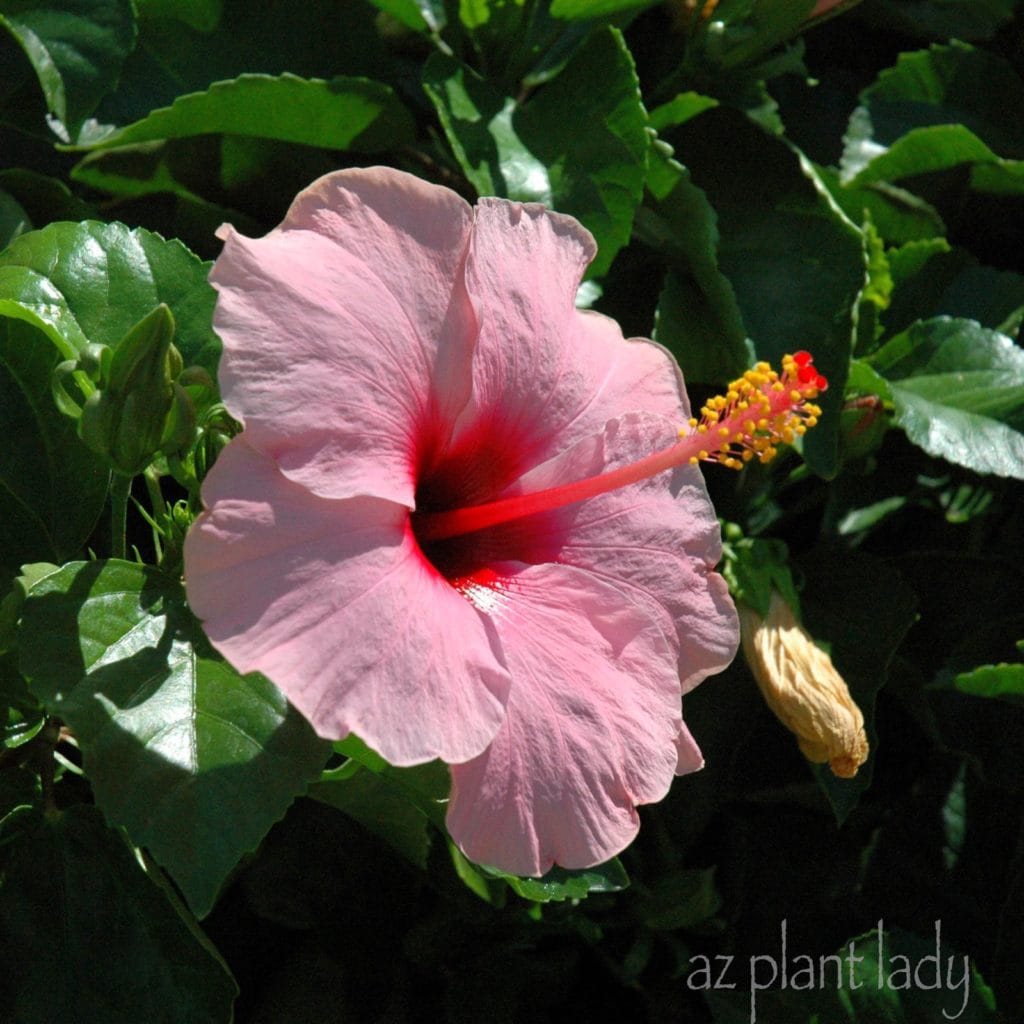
(959, 393)
(194, 760)
(521, 151)
(90, 282)
(343, 113)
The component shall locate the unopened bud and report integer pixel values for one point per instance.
(803, 688)
(140, 408)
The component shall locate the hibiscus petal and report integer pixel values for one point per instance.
(657, 540)
(590, 727)
(546, 372)
(688, 755)
(348, 334)
(333, 601)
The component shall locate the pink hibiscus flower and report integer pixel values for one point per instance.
(392, 539)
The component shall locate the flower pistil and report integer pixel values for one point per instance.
(758, 411)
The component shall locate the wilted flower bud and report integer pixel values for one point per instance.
(803, 688)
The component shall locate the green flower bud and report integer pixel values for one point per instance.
(141, 409)
(143, 360)
(94, 362)
(98, 422)
(180, 424)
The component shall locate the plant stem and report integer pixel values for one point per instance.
(120, 488)
(158, 505)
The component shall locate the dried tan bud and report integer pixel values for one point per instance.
(803, 688)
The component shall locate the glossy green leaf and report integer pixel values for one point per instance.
(595, 172)
(937, 109)
(381, 806)
(742, 33)
(77, 49)
(425, 786)
(194, 760)
(415, 14)
(958, 390)
(793, 260)
(1003, 681)
(899, 216)
(573, 9)
(355, 114)
(317, 39)
(86, 936)
(89, 283)
(924, 150)
(679, 110)
(52, 488)
(697, 318)
(560, 884)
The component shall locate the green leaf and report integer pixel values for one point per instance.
(681, 899)
(943, 19)
(13, 219)
(317, 39)
(582, 9)
(937, 109)
(194, 760)
(1003, 681)
(21, 718)
(680, 110)
(354, 114)
(202, 15)
(44, 199)
(77, 49)
(899, 216)
(91, 282)
(381, 806)
(941, 985)
(52, 488)
(958, 391)
(521, 151)
(794, 261)
(697, 317)
(560, 884)
(420, 15)
(87, 937)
